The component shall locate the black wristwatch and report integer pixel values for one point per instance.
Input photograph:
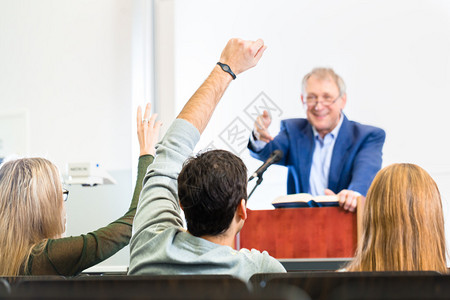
(226, 68)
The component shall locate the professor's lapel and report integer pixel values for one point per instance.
(340, 154)
(305, 148)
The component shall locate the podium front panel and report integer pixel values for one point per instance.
(313, 232)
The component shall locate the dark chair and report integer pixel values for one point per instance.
(135, 287)
(260, 280)
(280, 292)
(364, 285)
(5, 288)
(150, 287)
(407, 286)
(13, 280)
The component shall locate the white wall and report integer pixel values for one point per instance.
(68, 64)
(393, 55)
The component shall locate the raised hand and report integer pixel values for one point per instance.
(147, 130)
(242, 55)
(262, 124)
(239, 55)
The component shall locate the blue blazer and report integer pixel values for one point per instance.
(356, 158)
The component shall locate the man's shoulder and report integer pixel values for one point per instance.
(262, 260)
(363, 129)
(257, 256)
(253, 252)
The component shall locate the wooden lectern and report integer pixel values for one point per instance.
(311, 232)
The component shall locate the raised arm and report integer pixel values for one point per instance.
(240, 56)
(71, 255)
(159, 209)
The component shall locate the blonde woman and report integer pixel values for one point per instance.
(32, 216)
(403, 223)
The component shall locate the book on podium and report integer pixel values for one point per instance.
(305, 200)
(302, 230)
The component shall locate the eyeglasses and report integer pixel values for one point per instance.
(313, 100)
(65, 194)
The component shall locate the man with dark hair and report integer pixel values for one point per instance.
(210, 199)
(212, 191)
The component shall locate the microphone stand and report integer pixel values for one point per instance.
(258, 182)
(274, 157)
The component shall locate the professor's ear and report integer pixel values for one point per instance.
(242, 210)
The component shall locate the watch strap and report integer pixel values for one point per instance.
(226, 68)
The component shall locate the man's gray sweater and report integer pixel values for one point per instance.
(160, 245)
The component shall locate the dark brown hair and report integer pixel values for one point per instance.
(210, 187)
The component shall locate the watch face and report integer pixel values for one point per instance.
(226, 68)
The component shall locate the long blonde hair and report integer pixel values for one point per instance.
(403, 223)
(31, 209)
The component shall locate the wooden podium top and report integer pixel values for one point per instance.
(313, 232)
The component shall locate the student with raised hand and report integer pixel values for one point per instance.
(403, 223)
(211, 189)
(32, 216)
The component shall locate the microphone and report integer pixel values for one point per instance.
(273, 158)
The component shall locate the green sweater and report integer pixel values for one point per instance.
(71, 255)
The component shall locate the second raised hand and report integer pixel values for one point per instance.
(148, 130)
